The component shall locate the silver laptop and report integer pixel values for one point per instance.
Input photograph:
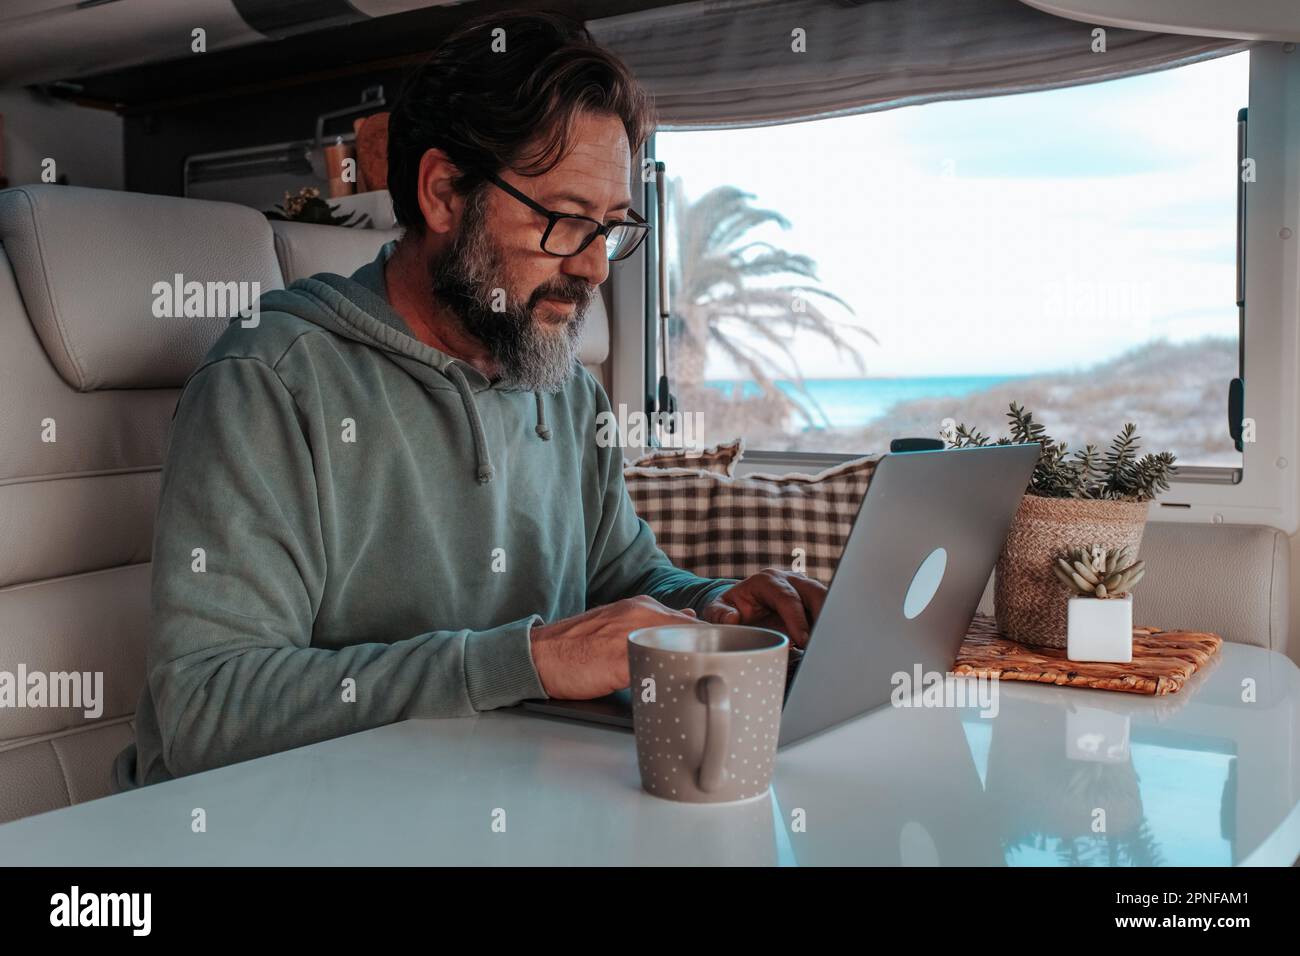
(923, 545)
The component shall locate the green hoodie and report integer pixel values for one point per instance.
(381, 527)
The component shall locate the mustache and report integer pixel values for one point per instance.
(578, 293)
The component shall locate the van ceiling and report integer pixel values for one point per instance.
(134, 55)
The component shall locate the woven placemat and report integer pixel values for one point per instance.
(1162, 660)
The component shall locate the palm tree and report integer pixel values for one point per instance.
(722, 296)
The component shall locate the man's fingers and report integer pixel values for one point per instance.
(812, 592)
(646, 604)
(719, 612)
(792, 601)
(781, 597)
(771, 595)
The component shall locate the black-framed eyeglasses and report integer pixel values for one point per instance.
(567, 234)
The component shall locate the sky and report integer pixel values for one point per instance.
(1012, 235)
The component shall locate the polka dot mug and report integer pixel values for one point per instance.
(706, 706)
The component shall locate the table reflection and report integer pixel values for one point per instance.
(1092, 782)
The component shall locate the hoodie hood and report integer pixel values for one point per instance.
(357, 308)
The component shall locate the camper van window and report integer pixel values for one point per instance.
(840, 282)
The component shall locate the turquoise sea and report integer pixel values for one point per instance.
(849, 402)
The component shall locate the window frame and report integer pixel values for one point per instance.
(633, 301)
(1264, 490)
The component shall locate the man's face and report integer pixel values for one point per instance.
(526, 306)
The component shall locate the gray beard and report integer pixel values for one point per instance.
(533, 355)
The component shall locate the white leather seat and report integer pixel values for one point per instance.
(1233, 580)
(82, 353)
(304, 249)
(80, 347)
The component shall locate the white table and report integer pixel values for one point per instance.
(1201, 777)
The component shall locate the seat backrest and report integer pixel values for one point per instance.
(91, 377)
(305, 248)
(1233, 580)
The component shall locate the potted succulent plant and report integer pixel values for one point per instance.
(1100, 616)
(1087, 495)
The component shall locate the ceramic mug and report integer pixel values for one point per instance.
(706, 707)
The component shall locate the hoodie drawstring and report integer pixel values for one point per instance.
(485, 469)
(543, 430)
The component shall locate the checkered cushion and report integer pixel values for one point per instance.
(720, 459)
(724, 527)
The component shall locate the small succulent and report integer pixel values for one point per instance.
(1098, 572)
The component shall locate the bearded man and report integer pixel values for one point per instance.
(386, 498)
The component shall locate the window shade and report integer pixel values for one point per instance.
(718, 64)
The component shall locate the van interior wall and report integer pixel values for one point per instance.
(86, 144)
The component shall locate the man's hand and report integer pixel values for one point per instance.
(772, 598)
(582, 657)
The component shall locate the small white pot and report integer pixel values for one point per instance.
(1100, 629)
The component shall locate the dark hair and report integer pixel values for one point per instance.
(484, 108)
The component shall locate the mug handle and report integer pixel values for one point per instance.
(713, 693)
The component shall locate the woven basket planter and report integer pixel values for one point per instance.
(1030, 603)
